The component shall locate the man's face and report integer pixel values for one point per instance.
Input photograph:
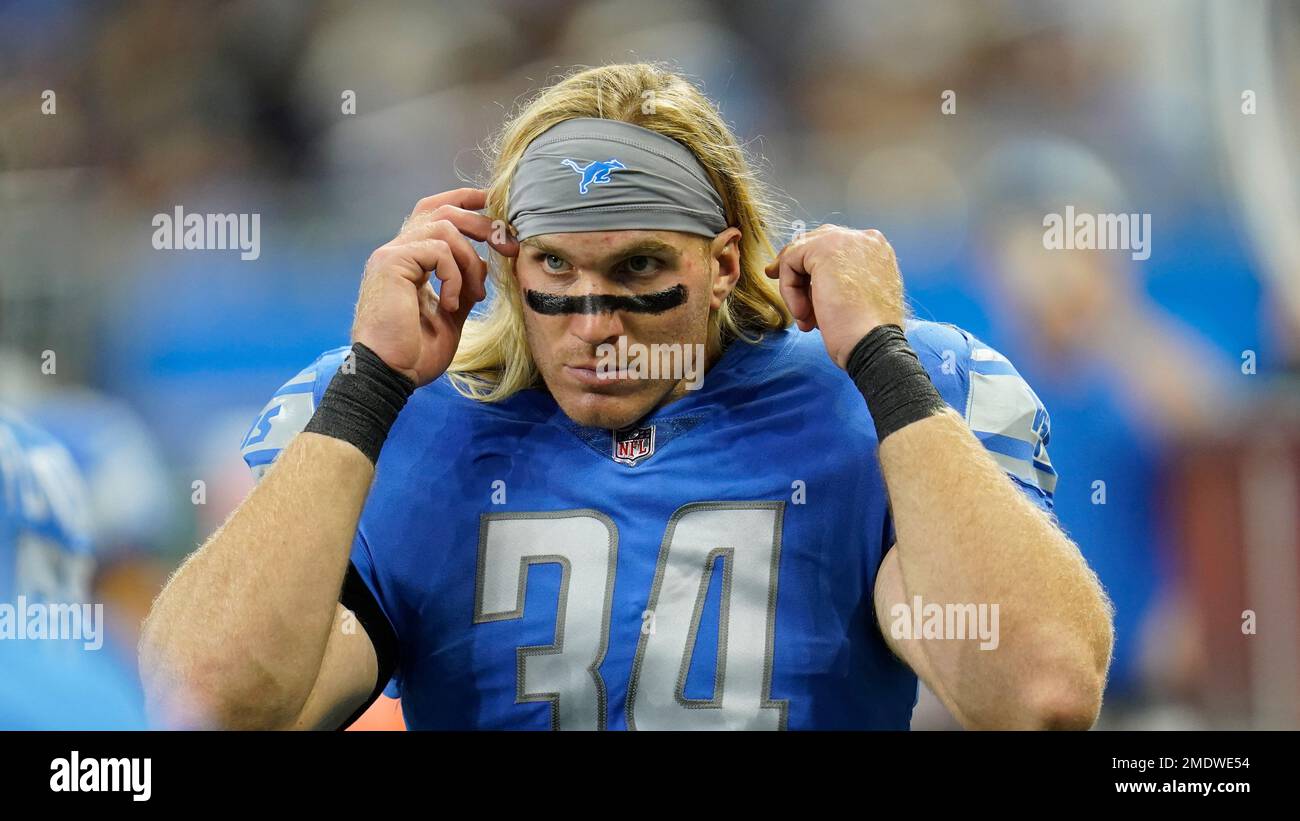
(1065, 295)
(586, 290)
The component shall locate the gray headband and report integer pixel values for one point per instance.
(589, 174)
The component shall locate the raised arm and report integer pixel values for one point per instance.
(965, 533)
(248, 632)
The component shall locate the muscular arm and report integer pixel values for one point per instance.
(249, 632)
(246, 634)
(966, 534)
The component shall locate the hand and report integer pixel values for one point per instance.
(843, 281)
(399, 315)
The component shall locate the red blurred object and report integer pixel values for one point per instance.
(1236, 503)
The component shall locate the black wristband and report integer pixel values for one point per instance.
(891, 378)
(362, 402)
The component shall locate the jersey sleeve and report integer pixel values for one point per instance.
(997, 403)
(287, 412)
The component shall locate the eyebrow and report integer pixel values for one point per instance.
(643, 247)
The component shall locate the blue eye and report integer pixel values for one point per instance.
(552, 262)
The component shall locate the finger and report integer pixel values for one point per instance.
(796, 290)
(449, 273)
(470, 223)
(794, 255)
(795, 282)
(404, 260)
(470, 198)
(473, 268)
(786, 250)
(441, 320)
(772, 269)
(432, 255)
(471, 264)
(502, 241)
(809, 323)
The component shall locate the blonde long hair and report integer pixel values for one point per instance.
(493, 361)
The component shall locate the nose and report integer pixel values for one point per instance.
(597, 328)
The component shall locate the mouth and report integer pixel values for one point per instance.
(587, 375)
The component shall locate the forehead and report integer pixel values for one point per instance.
(595, 246)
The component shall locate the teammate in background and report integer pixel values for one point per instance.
(1132, 386)
(547, 545)
(46, 559)
(132, 504)
(45, 529)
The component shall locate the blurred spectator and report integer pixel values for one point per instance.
(1125, 385)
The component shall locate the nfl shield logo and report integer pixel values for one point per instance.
(634, 444)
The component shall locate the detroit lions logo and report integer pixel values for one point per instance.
(596, 172)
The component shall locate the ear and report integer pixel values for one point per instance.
(724, 258)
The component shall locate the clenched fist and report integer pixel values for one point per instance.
(843, 281)
(399, 315)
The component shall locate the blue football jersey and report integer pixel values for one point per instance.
(130, 500)
(45, 543)
(51, 682)
(712, 568)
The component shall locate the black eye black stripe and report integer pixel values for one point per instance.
(656, 303)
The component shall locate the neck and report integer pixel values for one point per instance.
(694, 377)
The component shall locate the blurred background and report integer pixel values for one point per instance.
(952, 126)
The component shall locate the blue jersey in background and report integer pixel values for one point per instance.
(52, 681)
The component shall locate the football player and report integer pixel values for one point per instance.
(485, 516)
(51, 681)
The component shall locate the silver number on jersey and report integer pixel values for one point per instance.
(585, 544)
(748, 538)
